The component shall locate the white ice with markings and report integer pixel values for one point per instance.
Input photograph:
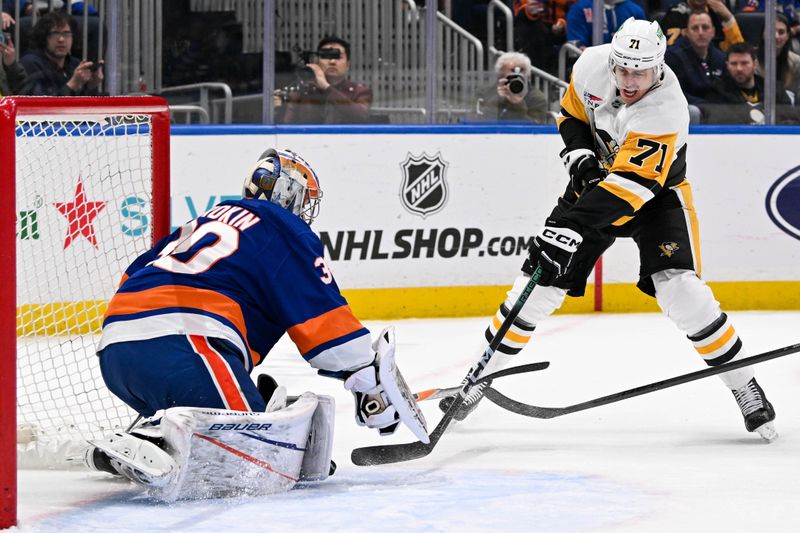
(675, 460)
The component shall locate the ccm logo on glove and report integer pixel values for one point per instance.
(564, 238)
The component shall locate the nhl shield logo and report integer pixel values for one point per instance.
(424, 189)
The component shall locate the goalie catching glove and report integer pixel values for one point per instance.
(553, 249)
(584, 169)
(382, 397)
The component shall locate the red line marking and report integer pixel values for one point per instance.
(249, 458)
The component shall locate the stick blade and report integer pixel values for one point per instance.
(389, 453)
(521, 408)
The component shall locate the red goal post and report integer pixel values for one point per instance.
(85, 189)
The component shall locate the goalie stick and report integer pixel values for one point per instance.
(434, 394)
(395, 453)
(551, 412)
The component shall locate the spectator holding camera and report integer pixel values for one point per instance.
(13, 77)
(323, 93)
(512, 98)
(52, 70)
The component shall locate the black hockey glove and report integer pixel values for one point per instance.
(585, 170)
(553, 249)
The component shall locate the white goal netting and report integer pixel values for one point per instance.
(84, 212)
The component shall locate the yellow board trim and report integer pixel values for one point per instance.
(80, 318)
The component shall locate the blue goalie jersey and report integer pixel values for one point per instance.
(246, 271)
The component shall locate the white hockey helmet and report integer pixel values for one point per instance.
(638, 45)
(284, 178)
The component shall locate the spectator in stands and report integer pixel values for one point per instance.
(739, 96)
(789, 8)
(512, 98)
(540, 28)
(726, 29)
(326, 96)
(579, 19)
(787, 62)
(13, 78)
(698, 62)
(52, 70)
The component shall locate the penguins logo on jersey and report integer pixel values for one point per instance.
(783, 202)
(424, 188)
(668, 248)
(591, 100)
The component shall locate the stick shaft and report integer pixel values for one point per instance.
(552, 412)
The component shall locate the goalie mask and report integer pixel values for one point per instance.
(638, 45)
(286, 179)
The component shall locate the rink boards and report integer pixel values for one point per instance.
(434, 221)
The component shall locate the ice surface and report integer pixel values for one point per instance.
(675, 460)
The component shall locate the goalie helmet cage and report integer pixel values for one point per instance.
(85, 190)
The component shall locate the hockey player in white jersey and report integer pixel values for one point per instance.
(624, 122)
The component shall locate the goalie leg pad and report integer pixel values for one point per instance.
(224, 453)
(319, 449)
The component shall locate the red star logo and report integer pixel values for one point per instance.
(80, 215)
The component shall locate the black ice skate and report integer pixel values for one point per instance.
(757, 411)
(470, 402)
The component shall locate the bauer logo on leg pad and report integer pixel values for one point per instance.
(239, 427)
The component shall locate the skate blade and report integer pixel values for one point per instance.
(767, 431)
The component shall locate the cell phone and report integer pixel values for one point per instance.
(96, 64)
(2, 37)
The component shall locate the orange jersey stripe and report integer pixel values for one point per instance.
(166, 296)
(324, 328)
(223, 377)
(717, 344)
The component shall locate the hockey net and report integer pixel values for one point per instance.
(90, 182)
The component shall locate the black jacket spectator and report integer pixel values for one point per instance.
(45, 78)
(13, 78)
(695, 75)
(52, 70)
(733, 104)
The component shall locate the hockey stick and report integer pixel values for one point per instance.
(434, 394)
(551, 412)
(394, 453)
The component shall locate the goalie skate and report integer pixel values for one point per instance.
(135, 458)
(757, 410)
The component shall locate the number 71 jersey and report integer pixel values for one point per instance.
(642, 145)
(247, 271)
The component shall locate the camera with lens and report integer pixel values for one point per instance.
(305, 73)
(516, 82)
